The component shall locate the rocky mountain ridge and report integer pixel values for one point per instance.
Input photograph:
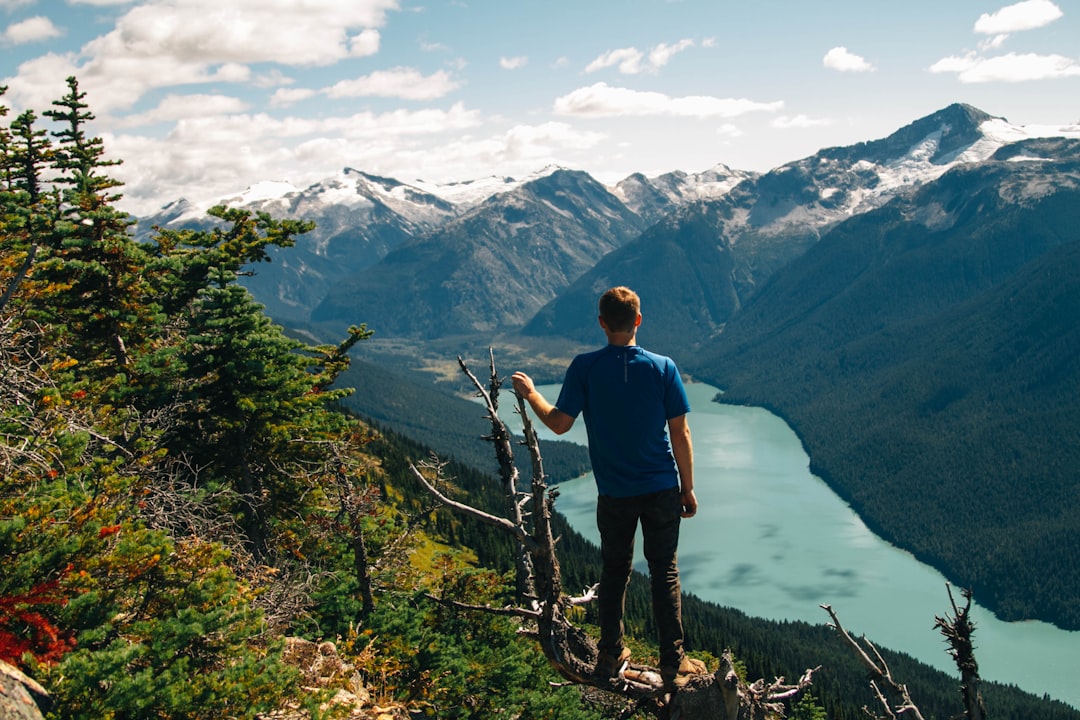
(499, 253)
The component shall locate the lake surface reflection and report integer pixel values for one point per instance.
(773, 541)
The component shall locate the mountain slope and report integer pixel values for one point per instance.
(927, 355)
(716, 253)
(681, 267)
(359, 219)
(491, 268)
(653, 198)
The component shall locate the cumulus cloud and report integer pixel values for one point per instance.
(839, 58)
(729, 130)
(602, 100)
(31, 30)
(166, 43)
(785, 122)
(284, 97)
(629, 60)
(401, 82)
(219, 155)
(512, 63)
(177, 107)
(660, 55)
(1026, 15)
(1011, 67)
(974, 67)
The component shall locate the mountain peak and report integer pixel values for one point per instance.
(952, 130)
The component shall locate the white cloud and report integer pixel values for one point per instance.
(401, 82)
(799, 121)
(12, 4)
(1012, 67)
(166, 43)
(31, 30)
(839, 58)
(994, 42)
(729, 130)
(1026, 15)
(283, 97)
(364, 44)
(602, 100)
(660, 55)
(216, 156)
(271, 78)
(538, 143)
(513, 63)
(177, 107)
(629, 60)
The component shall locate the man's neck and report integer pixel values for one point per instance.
(622, 339)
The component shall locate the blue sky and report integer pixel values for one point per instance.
(205, 97)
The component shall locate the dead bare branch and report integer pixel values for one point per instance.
(899, 701)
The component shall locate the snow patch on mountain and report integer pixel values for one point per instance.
(469, 193)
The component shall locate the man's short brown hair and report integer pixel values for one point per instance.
(619, 309)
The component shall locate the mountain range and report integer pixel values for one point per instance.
(908, 304)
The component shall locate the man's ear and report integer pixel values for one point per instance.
(637, 323)
(602, 323)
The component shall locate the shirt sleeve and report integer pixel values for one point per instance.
(676, 402)
(572, 396)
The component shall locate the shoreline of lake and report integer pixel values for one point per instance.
(755, 489)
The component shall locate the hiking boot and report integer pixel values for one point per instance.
(610, 665)
(677, 677)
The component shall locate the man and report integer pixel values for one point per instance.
(632, 400)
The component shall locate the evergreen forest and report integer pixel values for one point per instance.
(185, 494)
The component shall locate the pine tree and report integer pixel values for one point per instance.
(27, 211)
(95, 265)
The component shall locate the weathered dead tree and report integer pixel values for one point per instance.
(894, 698)
(721, 695)
(958, 632)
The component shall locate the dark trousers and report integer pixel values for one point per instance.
(617, 520)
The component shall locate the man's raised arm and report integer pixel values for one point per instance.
(555, 419)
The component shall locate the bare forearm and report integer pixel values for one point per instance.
(556, 420)
(683, 450)
(545, 412)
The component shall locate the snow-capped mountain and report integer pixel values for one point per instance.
(360, 218)
(719, 252)
(490, 268)
(652, 198)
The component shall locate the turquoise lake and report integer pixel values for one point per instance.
(773, 541)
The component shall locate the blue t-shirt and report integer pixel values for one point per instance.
(626, 395)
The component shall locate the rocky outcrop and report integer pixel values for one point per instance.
(21, 697)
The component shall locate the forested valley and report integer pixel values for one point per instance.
(931, 374)
(186, 497)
